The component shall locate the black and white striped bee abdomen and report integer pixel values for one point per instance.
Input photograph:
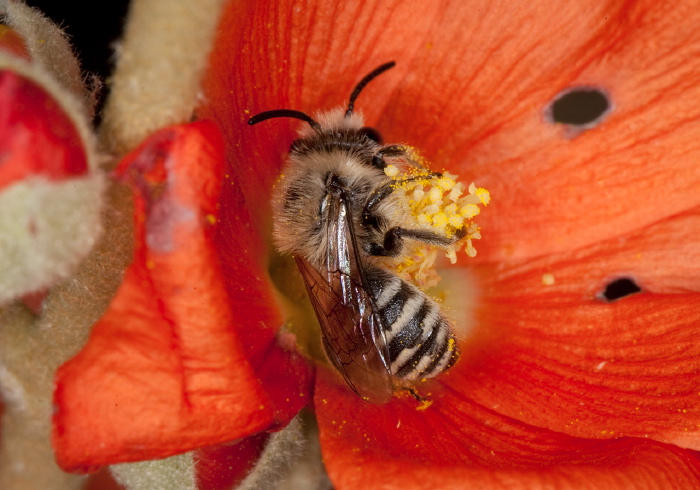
(419, 339)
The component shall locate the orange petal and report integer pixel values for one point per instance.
(471, 86)
(552, 354)
(453, 446)
(600, 371)
(163, 371)
(243, 238)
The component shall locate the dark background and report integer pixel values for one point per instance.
(92, 26)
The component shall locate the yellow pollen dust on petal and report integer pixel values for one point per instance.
(424, 404)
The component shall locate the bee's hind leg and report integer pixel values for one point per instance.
(368, 216)
(393, 240)
(387, 151)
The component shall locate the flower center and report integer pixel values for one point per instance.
(438, 204)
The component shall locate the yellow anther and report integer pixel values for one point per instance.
(424, 219)
(440, 220)
(442, 205)
(431, 210)
(469, 210)
(456, 192)
(483, 195)
(456, 220)
(435, 194)
(445, 183)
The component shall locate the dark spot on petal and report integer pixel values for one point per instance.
(619, 288)
(580, 106)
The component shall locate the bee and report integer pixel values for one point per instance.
(335, 211)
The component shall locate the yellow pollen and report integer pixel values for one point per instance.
(440, 220)
(481, 193)
(456, 220)
(470, 210)
(435, 194)
(391, 171)
(424, 404)
(445, 183)
(424, 219)
(548, 279)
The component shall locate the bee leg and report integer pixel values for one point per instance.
(393, 240)
(414, 394)
(387, 151)
(385, 191)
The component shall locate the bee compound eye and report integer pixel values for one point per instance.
(372, 134)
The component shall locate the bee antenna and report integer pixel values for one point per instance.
(363, 83)
(263, 116)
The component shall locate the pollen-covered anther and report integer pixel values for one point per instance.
(391, 171)
(441, 205)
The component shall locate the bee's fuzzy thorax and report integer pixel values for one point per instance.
(298, 227)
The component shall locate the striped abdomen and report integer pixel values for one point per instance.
(419, 338)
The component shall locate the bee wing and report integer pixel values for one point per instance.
(353, 335)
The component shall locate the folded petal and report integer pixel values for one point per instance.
(163, 371)
(450, 445)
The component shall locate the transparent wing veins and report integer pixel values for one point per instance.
(353, 335)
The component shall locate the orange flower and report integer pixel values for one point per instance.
(555, 383)
(559, 383)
